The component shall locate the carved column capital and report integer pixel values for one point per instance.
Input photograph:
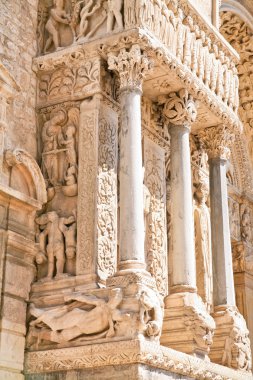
(131, 65)
(180, 108)
(217, 141)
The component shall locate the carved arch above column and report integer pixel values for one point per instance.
(29, 169)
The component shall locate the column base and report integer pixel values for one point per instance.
(231, 344)
(141, 300)
(187, 326)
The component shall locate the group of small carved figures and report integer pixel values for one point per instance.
(79, 21)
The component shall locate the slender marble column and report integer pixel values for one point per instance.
(183, 305)
(183, 277)
(131, 66)
(217, 141)
(230, 324)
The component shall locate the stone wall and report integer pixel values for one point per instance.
(18, 21)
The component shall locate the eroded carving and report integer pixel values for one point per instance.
(59, 152)
(57, 242)
(74, 319)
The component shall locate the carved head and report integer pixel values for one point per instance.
(58, 117)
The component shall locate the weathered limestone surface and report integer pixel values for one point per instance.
(122, 213)
(17, 48)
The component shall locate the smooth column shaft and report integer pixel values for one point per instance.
(182, 234)
(223, 281)
(131, 179)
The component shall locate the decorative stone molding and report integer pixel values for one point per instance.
(180, 108)
(127, 352)
(20, 156)
(131, 65)
(217, 141)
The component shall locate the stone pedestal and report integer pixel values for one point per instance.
(231, 338)
(187, 326)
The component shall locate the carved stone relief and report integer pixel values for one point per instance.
(83, 316)
(101, 314)
(59, 137)
(98, 142)
(234, 219)
(155, 214)
(239, 35)
(246, 223)
(107, 193)
(56, 225)
(202, 222)
(64, 22)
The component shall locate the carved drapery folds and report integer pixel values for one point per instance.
(131, 65)
(217, 141)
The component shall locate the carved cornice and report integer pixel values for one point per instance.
(131, 65)
(127, 353)
(217, 141)
(179, 108)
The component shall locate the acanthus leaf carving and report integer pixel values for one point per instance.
(217, 141)
(131, 66)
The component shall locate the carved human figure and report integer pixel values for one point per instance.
(51, 139)
(65, 323)
(51, 243)
(68, 228)
(130, 12)
(246, 224)
(57, 16)
(87, 11)
(70, 144)
(114, 15)
(203, 245)
(238, 257)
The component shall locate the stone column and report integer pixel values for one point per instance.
(131, 67)
(187, 325)
(231, 327)
(137, 284)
